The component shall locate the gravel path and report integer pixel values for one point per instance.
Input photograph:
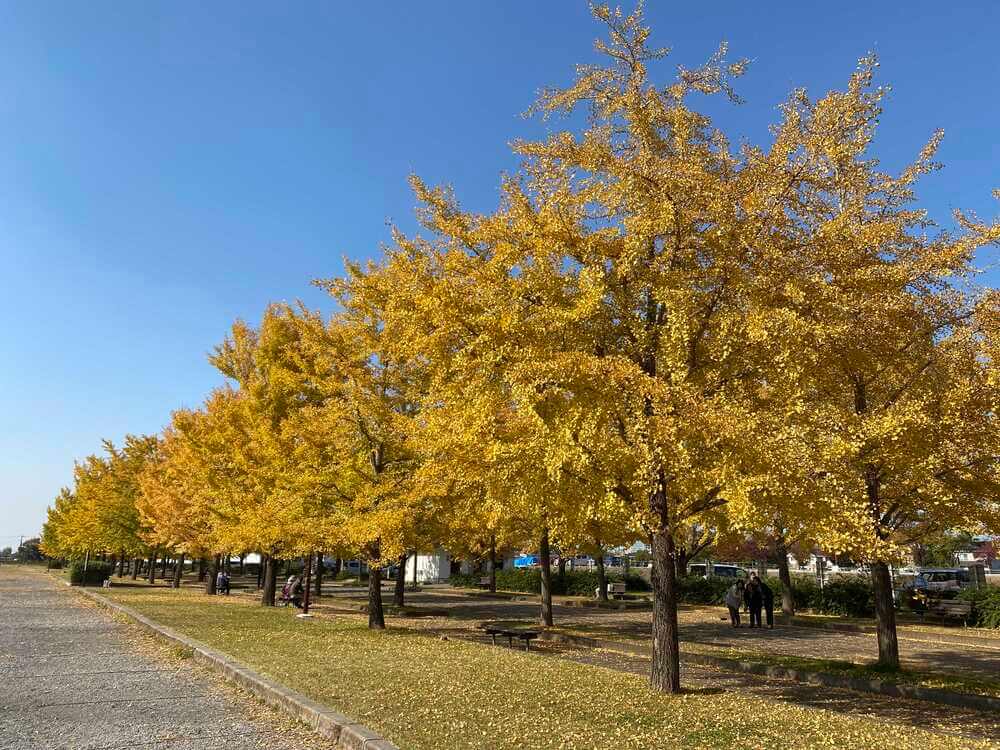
(72, 676)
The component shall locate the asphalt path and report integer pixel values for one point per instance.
(73, 676)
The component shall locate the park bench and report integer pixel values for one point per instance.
(949, 608)
(484, 582)
(616, 590)
(510, 634)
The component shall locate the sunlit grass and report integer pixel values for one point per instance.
(423, 692)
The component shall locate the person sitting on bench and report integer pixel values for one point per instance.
(292, 591)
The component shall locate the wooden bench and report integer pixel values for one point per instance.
(484, 582)
(949, 608)
(616, 590)
(510, 634)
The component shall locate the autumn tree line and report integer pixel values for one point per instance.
(658, 336)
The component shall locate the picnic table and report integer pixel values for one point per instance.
(510, 634)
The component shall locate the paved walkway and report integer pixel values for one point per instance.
(71, 676)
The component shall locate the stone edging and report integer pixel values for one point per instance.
(893, 689)
(342, 730)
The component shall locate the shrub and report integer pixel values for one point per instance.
(97, 571)
(699, 590)
(985, 606)
(849, 596)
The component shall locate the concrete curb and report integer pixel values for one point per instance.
(826, 679)
(345, 732)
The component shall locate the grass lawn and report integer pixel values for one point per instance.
(424, 693)
(944, 680)
(941, 680)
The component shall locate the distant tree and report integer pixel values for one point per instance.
(6, 551)
(28, 551)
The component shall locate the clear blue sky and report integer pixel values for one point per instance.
(167, 167)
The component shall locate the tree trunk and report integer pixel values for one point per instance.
(152, 568)
(885, 613)
(178, 571)
(270, 582)
(213, 571)
(562, 572)
(602, 577)
(243, 565)
(202, 569)
(398, 593)
(665, 671)
(307, 586)
(681, 562)
(546, 560)
(493, 564)
(260, 570)
(163, 566)
(121, 564)
(376, 616)
(319, 574)
(337, 565)
(135, 569)
(787, 597)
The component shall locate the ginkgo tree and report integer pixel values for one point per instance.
(612, 296)
(891, 392)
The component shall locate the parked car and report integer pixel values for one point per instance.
(941, 579)
(719, 571)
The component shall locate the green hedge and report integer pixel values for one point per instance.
(700, 590)
(529, 581)
(97, 572)
(985, 606)
(848, 596)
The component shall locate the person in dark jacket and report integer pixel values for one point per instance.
(767, 595)
(754, 599)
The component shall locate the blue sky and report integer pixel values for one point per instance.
(168, 167)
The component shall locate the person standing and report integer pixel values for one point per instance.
(734, 599)
(767, 595)
(754, 600)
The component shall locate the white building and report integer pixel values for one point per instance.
(430, 568)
